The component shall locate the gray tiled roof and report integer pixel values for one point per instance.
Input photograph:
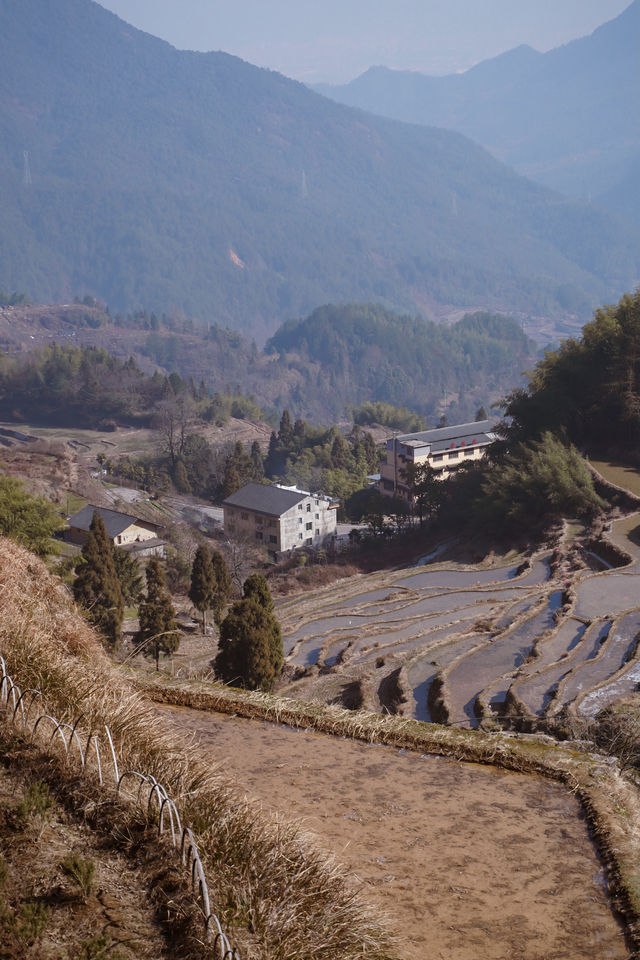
(442, 435)
(114, 522)
(263, 498)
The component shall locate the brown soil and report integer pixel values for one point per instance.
(468, 861)
(119, 907)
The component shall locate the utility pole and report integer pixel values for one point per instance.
(395, 463)
(26, 176)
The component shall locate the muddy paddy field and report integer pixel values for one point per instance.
(466, 861)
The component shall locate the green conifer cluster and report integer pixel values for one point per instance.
(210, 584)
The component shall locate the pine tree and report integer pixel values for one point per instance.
(96, 586)
(158, 628)
(256, 588)
(181, 477)
(129, 576)
(231, 480)
(257, 460)
(202, 591)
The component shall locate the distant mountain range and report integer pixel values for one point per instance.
(162, 179)
(567, 118)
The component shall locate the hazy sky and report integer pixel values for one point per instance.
(336, 40)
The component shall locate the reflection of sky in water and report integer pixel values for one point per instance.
(608, 594)
(503, 655)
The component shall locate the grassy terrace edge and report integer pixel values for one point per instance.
(608, 796)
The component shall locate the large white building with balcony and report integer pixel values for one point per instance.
(445, 448)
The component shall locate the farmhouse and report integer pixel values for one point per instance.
(125, 531)
(445, 448)
(281, 518)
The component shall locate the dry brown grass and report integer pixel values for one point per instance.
(276, 896)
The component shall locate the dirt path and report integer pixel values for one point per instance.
(469, 862)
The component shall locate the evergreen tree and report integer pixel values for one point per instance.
(425, 488)
(129, 576)
(158, 628)
(29, 520)
(256, 588)
(339, 453)
(272, 462)
(181, 478)
(245, 654)
(481, 414)
(223, 586)
(285, 434)
(257, 460)
(231, 480)
(202, 591)
(96, 586)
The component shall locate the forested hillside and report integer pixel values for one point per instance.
(588, 390)
(157, 178)
(318, 367)
(362, 352)
(566, 118)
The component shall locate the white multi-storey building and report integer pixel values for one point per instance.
(280, 518)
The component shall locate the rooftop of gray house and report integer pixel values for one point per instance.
(115, 522)
(262, 498)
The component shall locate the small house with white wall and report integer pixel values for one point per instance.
(140, 537)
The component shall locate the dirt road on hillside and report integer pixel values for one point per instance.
(469, 862)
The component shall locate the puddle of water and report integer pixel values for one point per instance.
(607, 595)
(455, 579)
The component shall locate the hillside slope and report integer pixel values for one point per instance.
(315, 367)
(566, 118)
(165, 179)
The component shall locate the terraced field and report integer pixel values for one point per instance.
(455, 644)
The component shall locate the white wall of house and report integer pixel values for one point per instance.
(308, 523)
(134, 533)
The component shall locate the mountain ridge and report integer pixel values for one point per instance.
(167, 179)
(575, 95)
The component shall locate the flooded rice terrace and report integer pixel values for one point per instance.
(460, 642)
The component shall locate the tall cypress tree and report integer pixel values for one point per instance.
(96, 586)
(203, 590)
(158, 627)
(223, 586)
